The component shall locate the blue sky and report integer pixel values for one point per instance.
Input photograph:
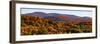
(81, 13)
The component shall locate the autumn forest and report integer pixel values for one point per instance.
(39, 23)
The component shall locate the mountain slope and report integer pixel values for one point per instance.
(60, 17)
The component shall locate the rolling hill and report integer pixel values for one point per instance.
(60, 17)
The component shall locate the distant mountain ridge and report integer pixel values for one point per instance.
(47, 14)
(60, 17)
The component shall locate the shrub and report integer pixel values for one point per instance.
(43, 31)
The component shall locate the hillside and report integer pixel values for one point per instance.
(34, 24)
(59, 17)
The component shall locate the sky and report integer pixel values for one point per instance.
(81, 13)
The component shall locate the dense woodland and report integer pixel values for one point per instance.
(32, 25)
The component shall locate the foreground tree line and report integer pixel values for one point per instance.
(31, 25)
